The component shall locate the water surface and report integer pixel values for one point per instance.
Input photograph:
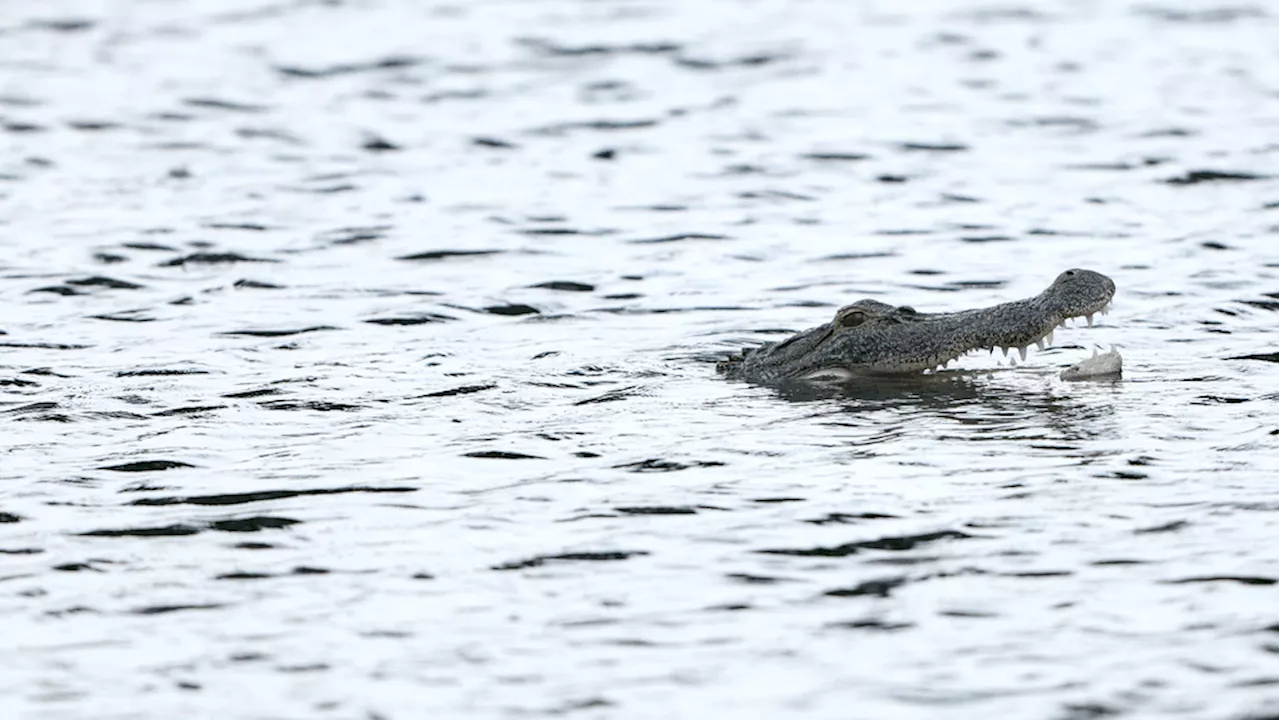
(358, 360)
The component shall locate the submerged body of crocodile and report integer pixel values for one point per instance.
(873, 338)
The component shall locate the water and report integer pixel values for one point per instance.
(261, 462)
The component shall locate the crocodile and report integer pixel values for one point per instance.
(870, 337)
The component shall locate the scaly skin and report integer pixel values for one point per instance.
(873, 338)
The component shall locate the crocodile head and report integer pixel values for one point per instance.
(873, 338)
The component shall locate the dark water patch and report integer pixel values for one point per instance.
(62, 25)
(1195, 177)
(903, 232)
(1206, 16)
(474, 94)
(1270, 304)
(31, 408)
(393, 62)
(263, 496)
(299, 570)
(757, 579)
(244, 284)
(870, 588)
(1241, 579)
(277, 333)
(109, 258)
(445, 254)
(899, 543)
(891, 178)
(678, 238)
(1038, 574)
(564, 231)
(166, 609)
(563, 128)
(210, 103)
(512, 309)
(160, 372)
(548, 47)
(250, 227)
(263, 133)
(875, 625)
(76, 567)
(933, 147)
(253, 524)
(419, 319)
(653, 465)
(21, 551)
(314, 405)
(744, 61)
(1078, 124)
(855, 256)
(265, 392)
(461, 390)
(164, 531)
(8, 517)
(835, 156)
(22, 127)
(1088, 711)
(1119, 561)
(353, 235)
(133, 316)
(378, 144)
(212, 258)
(1218, 400)
(189, 410)
(325, 188)
(106, 282)
(1174, 526)
(57, 290)
(774, 195)
(501, 455)
(1262, 357)
(496, 143)
(661, 207)
(147, 466)
(849, 518)
(658, 510)
(565, 286)
(986, 238)
(539, 560)
(149, 246)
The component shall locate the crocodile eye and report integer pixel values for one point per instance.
(852, 318)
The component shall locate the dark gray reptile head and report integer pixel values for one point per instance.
(872, 338)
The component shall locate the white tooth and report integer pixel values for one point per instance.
(1023, 352)
(1089, 319)
(1049, 338)
(1040, 344)
(1006, 351)
(1013, 362)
